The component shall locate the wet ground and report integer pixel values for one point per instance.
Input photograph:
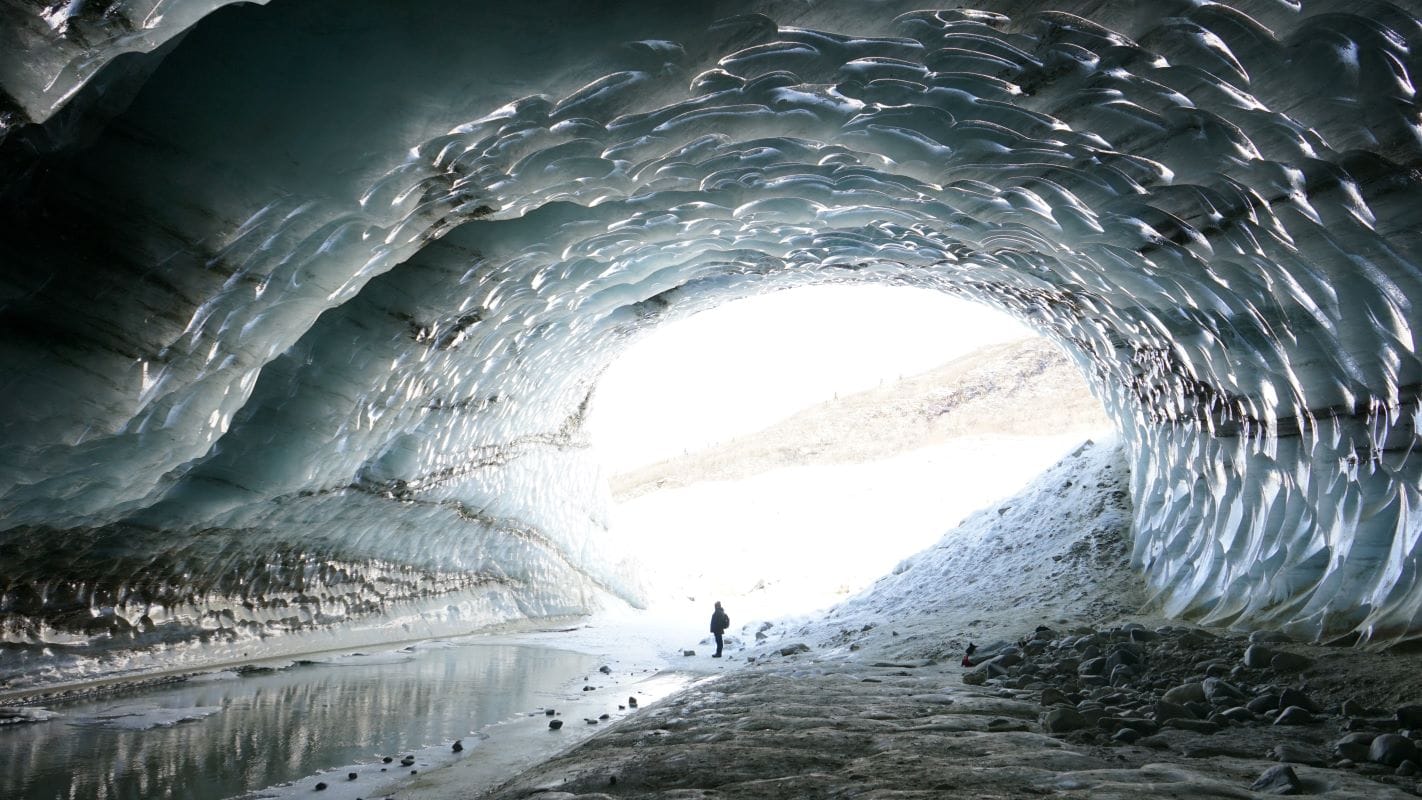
(224, 734)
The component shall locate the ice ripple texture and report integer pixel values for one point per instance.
(304, 307)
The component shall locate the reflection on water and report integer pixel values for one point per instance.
(220, 738)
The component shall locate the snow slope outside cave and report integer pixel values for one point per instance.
(795, 540)
(1057, 553)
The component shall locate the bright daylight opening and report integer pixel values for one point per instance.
(783, 451)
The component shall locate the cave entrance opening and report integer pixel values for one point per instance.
(783, 451)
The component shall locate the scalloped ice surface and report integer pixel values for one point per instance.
(303, 302)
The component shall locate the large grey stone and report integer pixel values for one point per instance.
(1262, 703)
(1187, 724)
(1278, 780)
(1297, 697)
(1222, 692)
(1294, 715)
(1410, 716)
(1092, 666)
(1166, 710)
(1062, 720)
(1354, 746)
(1297, 754)
(1391, 749)
(1238, 714)
(1257, 656)
(1185, 693)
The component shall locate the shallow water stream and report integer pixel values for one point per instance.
(224, 735)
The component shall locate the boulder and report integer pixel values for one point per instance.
(1391, 750)
(1262, 703)
(1354, 746)
(1165, 710)
(1126, 736)
(1222, 692)
(1010, 657)
(1354, 708)
(1122, 675)
(1257, 656)
(1409, 717)
(1296, 697)
(1092, 666)
(1185, 693)
(1297, 754)
(1278, 780)
(1294, 715)
(1062, 720)
(1238, 714)
(1122, 655)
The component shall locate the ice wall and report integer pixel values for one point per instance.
(303, 302)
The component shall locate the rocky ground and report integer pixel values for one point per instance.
(1166, 712)
(1077, 690)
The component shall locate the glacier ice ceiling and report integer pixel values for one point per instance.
(303, 302)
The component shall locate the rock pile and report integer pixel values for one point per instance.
(1202, 695)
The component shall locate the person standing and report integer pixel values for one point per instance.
(720, 621)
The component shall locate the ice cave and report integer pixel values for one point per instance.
(303, 303)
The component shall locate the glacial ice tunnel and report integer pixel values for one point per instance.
(303, 302)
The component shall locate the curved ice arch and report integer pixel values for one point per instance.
(1208, 207)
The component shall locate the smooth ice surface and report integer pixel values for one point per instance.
(304, 303)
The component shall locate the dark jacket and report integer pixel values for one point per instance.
(720, 621)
